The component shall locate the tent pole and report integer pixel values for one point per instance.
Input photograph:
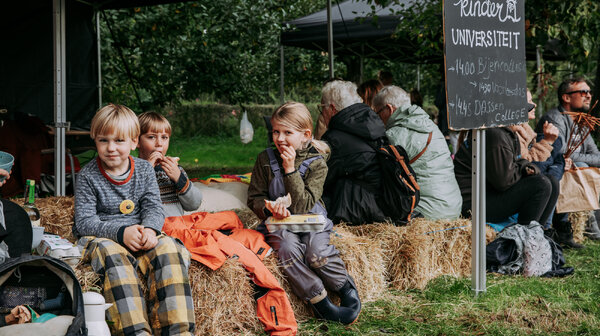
(418, 77)
(362, 63)
(330, 39)
(99, 53)
(282, 76)
(60, 95)
(538, 56)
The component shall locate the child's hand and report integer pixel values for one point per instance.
(288, 156)
(169, 165)
(18, 315)
(278, 209)
(149, 239)
(155, 158)
(132, 237)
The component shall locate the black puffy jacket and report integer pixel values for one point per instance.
(354, 177)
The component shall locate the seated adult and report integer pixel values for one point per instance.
(514, 185)
(546, 154)
(15, 227)
(410, 127)
(354, 177)
(574, 95)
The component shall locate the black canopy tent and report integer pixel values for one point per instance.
(356, 32)
(49, 64)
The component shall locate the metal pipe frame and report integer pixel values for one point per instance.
(60, 94)
(478, 215)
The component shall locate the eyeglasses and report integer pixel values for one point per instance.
(381, 109)
(320, 107)
(581, 92)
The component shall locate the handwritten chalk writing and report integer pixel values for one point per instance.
(485, 38)
(462, 107)
(482, 107)
(488, 65)
(490, 9)
(510, 115)
(464, 68)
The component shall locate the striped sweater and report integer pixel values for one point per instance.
(98, 199)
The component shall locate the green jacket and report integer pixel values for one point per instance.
(409, 127)
(304, 192)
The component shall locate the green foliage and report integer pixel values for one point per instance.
(179, 51)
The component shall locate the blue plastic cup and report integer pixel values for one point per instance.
(6, 163)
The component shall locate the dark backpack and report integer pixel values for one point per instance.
(46, 284)
(400, 191)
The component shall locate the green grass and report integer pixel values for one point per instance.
(512, 305)
(202, 156)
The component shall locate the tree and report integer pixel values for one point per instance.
(228, 48)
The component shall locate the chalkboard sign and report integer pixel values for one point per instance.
(484, 45)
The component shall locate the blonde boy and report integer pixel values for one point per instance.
(177, 193)
(118, 218)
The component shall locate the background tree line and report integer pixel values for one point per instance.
(228, 51)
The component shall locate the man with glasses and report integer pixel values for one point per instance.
(574, 95)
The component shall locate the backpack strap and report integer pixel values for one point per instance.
(400, 159)
(424, 149)
(273, 162)
(277, 170)
(304, 165)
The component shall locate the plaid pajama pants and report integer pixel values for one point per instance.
(169, 309)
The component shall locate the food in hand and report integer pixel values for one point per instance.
(285, 200)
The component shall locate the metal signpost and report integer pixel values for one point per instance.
(484, 59)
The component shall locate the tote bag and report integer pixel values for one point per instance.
(579, 190)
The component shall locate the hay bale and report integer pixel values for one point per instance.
(223, 300)
(301, 309)
(364, 259)
(56, 214)
(579, 221)
(423, 250)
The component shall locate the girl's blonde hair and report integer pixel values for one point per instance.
(297, 116)
(115, 119)
(154, 122)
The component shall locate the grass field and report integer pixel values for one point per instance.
(202, 156)
(512, 305)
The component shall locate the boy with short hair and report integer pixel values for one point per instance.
(118, 218)
(177, 192)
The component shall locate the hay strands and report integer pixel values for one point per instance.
(583, 124)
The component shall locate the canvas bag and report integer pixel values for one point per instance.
(579, 190)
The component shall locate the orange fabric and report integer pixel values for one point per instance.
(200, 235)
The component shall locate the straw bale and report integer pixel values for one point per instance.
(578, 223)
(424, 249)
(56, 215)
(223, 300)
(364, 259)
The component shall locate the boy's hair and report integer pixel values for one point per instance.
(154, 122)
(115, 119)
(297, 116)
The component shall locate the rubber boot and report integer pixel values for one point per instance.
(591, 230)
(564, 235)
(325, 309)
(349, 297)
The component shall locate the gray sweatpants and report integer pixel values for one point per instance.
(309, 261)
